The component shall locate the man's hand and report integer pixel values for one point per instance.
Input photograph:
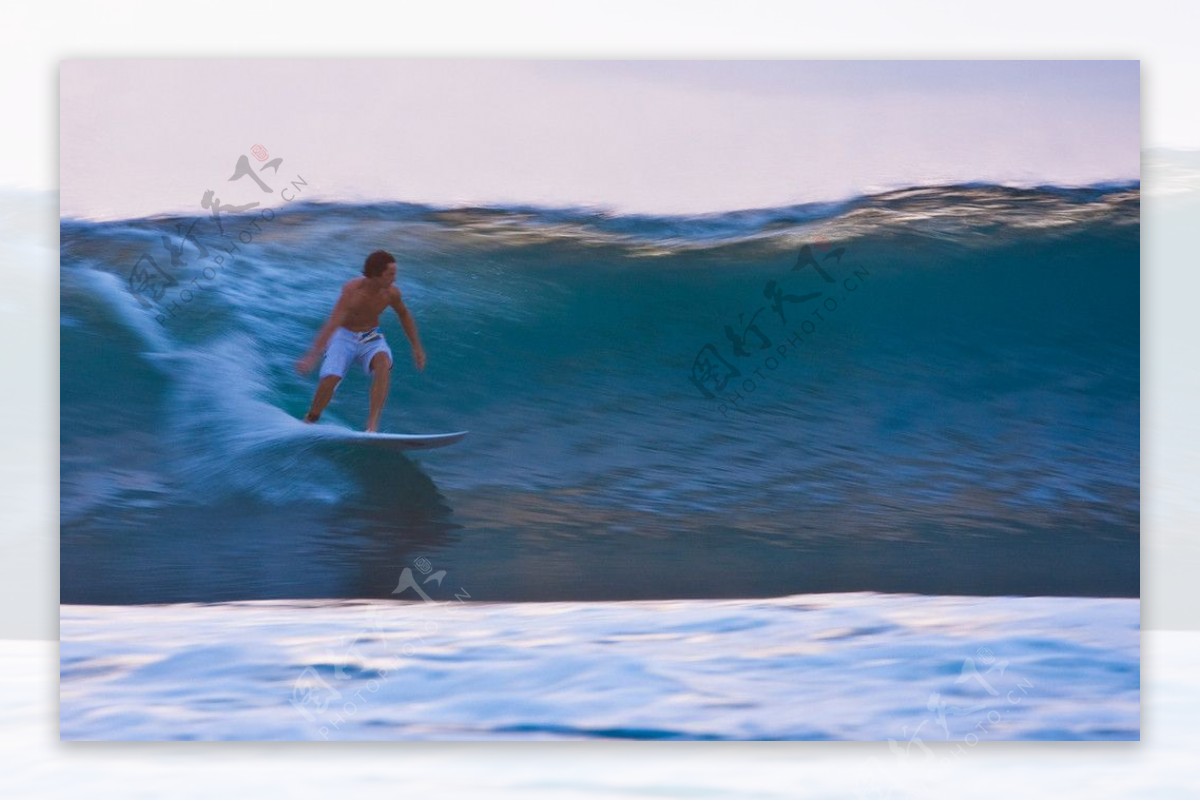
(419, 358)
(306, 363)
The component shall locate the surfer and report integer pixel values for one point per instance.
(352, 336)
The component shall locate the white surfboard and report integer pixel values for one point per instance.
(399, 442)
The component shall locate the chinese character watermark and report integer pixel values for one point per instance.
(755, 344)
(331, 701)
(151, 279)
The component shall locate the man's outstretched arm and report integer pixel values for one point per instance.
(410, 329)
(309, 360)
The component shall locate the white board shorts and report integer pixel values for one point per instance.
(347, 347)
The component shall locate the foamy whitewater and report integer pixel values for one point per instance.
(923, 672)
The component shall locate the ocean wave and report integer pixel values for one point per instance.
(962, 213)
(928, 371)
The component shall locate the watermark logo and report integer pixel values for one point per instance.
(312, 696)
(760, 340)
(951, 729)
(153, 281)
(985, 716)
(332, 700)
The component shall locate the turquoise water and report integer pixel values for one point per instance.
(956, 413)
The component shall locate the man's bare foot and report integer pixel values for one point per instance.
(308, 418)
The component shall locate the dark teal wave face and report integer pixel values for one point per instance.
(931, 391)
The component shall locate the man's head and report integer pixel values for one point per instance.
(380, 266)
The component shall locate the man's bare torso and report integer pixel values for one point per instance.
(364, 304)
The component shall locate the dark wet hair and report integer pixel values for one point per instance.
(376, 263)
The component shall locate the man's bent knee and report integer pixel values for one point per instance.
(380, 363)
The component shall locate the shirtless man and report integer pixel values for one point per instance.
(352, 336)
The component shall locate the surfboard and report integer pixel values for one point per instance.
(399, 442)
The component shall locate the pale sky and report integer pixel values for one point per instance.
(142, 137)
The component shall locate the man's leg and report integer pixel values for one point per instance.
(324, 394)
(381, 379)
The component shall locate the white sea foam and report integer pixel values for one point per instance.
(923, 672)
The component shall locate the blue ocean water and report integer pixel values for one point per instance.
(929, 391)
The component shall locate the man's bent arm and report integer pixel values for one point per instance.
(410, 330)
